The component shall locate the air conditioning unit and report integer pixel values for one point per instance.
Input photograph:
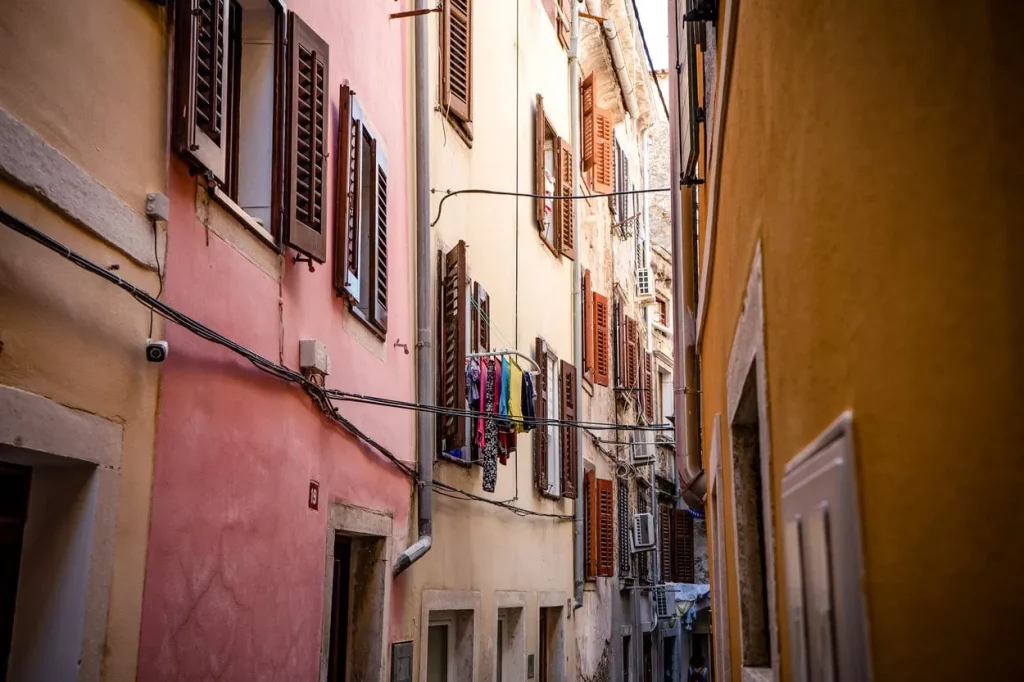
(644, 285)
(643, 532)
(663, 601)
(640, 451)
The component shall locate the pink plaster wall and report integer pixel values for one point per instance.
(235, 577)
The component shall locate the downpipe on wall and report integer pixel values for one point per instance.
(424, 338)
(577, 306)
(611, 36)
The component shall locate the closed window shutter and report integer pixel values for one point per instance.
(587, 113)
(649, 387)
(346, 214)
(540, 434)
(307, 139)
(567, 207)
(620, 345)
(452, 347)
(602, 342)
(592, 525)
(201, 84)
(604, 165)
(625, 555)
(665, 543)
(632, 354)
(606, 521)
(457, 58)
(379, 246)
(569, 434)
(480, 334)
(588, 327)
(682, 556)
(538, 165)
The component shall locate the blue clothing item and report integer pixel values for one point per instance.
(529, 401)
(506, 370)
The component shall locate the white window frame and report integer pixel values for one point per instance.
(554, 444)
(448, 622)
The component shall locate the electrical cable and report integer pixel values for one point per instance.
(502, 193)
(320, 396)
(650, 62)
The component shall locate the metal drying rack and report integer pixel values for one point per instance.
(536, 367)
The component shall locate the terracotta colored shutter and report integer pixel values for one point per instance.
(538, 161)
(201, 84)
(480, 333)
(306, 160)
(588, 327)
(604, 165)
(665, 543)
(649, 386)
(378, 302)
(625, 553)
(592, 527)
(457, 58)
(452, 347)
(606, 530)
(587, 112)
(540, 434)
(632, 354)
(620, 345)
(682, 545)
(570, 435)
(346, 214)
(565, 23)
(567, 211)
(601, 334)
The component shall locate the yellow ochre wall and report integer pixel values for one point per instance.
(873, 149)
(90, 80)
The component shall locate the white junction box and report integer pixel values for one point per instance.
(313, 357)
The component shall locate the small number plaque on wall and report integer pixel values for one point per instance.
(314, 495)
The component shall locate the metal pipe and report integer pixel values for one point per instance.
(611, 37)
(684, 358)
(577, 296)
(424, 338)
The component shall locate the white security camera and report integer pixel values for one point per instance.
(156, 351)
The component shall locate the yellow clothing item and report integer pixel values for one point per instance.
(515, 397)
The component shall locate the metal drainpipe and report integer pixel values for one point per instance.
(424, 340)
(611, 36)
(577, 305)
(684, 357)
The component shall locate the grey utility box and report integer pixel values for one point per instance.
(823, 562)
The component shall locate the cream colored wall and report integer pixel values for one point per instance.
(479, 547)
(66, 334)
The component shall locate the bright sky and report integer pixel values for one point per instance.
(654, 18)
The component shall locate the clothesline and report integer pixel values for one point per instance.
(497, 353)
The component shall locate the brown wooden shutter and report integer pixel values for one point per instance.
(665, 543)
(632, 354)
(567, 207)
(602, 341)
(480, 333)
(570, 435)
(565, 23)
(682, 555)
(588, 327)
(540, 434)
(538, 165)
(649, 386)
(606, 520)
(592, 526)
(604, 165)
(625, 555)
(621, 346)
(346, 214)
(378, 303)
(457, 58)
(306, 160)
(587, 124)
(452, 347)
(201, 84)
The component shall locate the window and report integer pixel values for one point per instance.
(555, 450)
(621, 203)
(457, 65)
(588, 327)
(665, 542)
(258, 135)
(599, 517)
(642, 507)
(664, 396)
(453, 341)
(602, 339)
(675, 544)
(625, 518)
(598, 160)
(450, 646)
(361, 221)
(662, 314)
(553, 176)
(648, 387)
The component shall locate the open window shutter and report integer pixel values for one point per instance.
(201, 84)
(457, 58)
(602, 341)
(540, 434)
(606, 521)
(538, 161)
(682, 555)
(587, 112)
(346, 214)
(632, 355)
(649, 386)
(569, 435)
(453, 323)
(306, 160)
(665, 543)
(379, 245)
(593, 526)
(588, 327)
(568, 206)
(604, 164)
